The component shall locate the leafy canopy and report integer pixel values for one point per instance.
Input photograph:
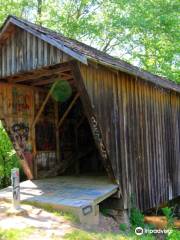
(143, 32)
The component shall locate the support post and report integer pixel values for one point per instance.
(34, 143)
(34, 126)
(15, 188)
(57, 131)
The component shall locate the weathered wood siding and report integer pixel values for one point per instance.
(141, 129)
(18, 107)
(23, 51)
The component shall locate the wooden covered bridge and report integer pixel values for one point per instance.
(119, 121)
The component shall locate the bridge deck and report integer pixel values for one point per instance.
(80, 195)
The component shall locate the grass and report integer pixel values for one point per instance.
(15, 234)
(175, 234)
(79, 235)
(49, 208)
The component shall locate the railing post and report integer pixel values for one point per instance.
(15, 188)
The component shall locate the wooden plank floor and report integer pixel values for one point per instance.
(67, 191)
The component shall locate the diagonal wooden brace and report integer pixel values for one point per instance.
(43, 104)
(19, 152)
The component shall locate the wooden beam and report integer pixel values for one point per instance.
(92, 119)
(34, 149)
(45, 71)
(43, 82)
(43, 105)
(65, 74)
(37, 76)
(56, 107)
(68, 109)
(19, 151)
(48, 81)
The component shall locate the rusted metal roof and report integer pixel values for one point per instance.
(83, 52)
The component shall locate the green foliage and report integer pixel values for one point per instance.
(62, 91)
(79, 235)
(136, 218)
(150, 31)
(123, 227)
(84, 235)
(105, 211)
(8, 158)
(169, 215)
(174, 235)
(145, 33)
(167, 212)
(15, 234)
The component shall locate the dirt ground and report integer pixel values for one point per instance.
(46, 225)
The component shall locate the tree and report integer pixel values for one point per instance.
(142, 32)
(8, 158)
(150, 34)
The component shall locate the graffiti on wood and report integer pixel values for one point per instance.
(46, 160)
(20, 101)
(98, 137)
(20, 133)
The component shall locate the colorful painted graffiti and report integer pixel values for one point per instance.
(26, 167)
(98, 137)
(20, 133)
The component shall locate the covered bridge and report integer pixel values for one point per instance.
(119, 121)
